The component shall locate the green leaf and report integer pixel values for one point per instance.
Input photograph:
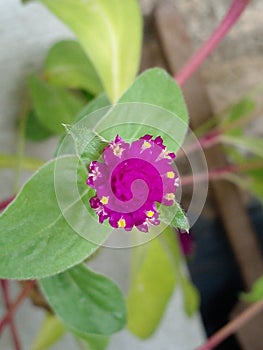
(174, 216)
(35, 131)
(151, 289)
(85, 301)
(53, 105)
(256, 292)
(252, 145)
(190, 294)
(97, 103)
(67, 65)
(110, 33)
(39, 230)
(254, 184)
(51, 331)
(191, 297)
(153, 105)
(238, 112)
(94, 342)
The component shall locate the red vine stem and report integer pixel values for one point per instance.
(209, 46)
(5, 289)
(4, 203)
(24, 293)
(233, 326)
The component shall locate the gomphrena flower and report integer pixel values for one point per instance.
(132, 178)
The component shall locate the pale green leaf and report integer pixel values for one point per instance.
(174, 216)
(35, 131)
(190, 295)
(51, 331)
(110, 33)
(27, 163)
(53, 104)
(252, 145)
(67, 65)
(85, 301)
(152, 105)
(93, 342)
(39, 230)
(238, 113)
(151, 289)
(256, 292)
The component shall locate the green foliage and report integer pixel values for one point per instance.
(156, 270)
(36, 240)
(51, 331)
(174, 216)
(142, 107)
(53, 105)
(93, 342)
(85, 301)
(35, 131)
(190, 295)
(103, 28)
(237, 116)
(252, 145)
(67, 65)
(256, 292)
(151, 289)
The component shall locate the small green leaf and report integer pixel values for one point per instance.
(152, 105)
(256, 292)
(110, 33)
(151, 289)
(67, 65)
(94, 342)
(38, 231)
(174, 216)
(191, 297)
(254, 183)
(252, 145)
(51, 331)
(238, 112)
(85, 301)
(53, 105)
(35, 131)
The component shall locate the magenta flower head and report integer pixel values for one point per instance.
(130, 182)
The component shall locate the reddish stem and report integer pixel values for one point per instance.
(24, 293)
(233, 326)
(234, 12)
(16, 340)
(5, 203)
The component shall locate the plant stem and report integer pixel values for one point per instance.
(16, 340)
(27, 163)
(4, 203)
(220, 173)
(20, 146)
(233, 326)
(24, 293)
(208, 140)
(234, 12)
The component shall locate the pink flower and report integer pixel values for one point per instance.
(132, 178)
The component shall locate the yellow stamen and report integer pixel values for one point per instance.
(170, 174)
(150, 213)
(146, 145)
(169, 196)
(117, 150)
(104, 200)
(121, 223)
